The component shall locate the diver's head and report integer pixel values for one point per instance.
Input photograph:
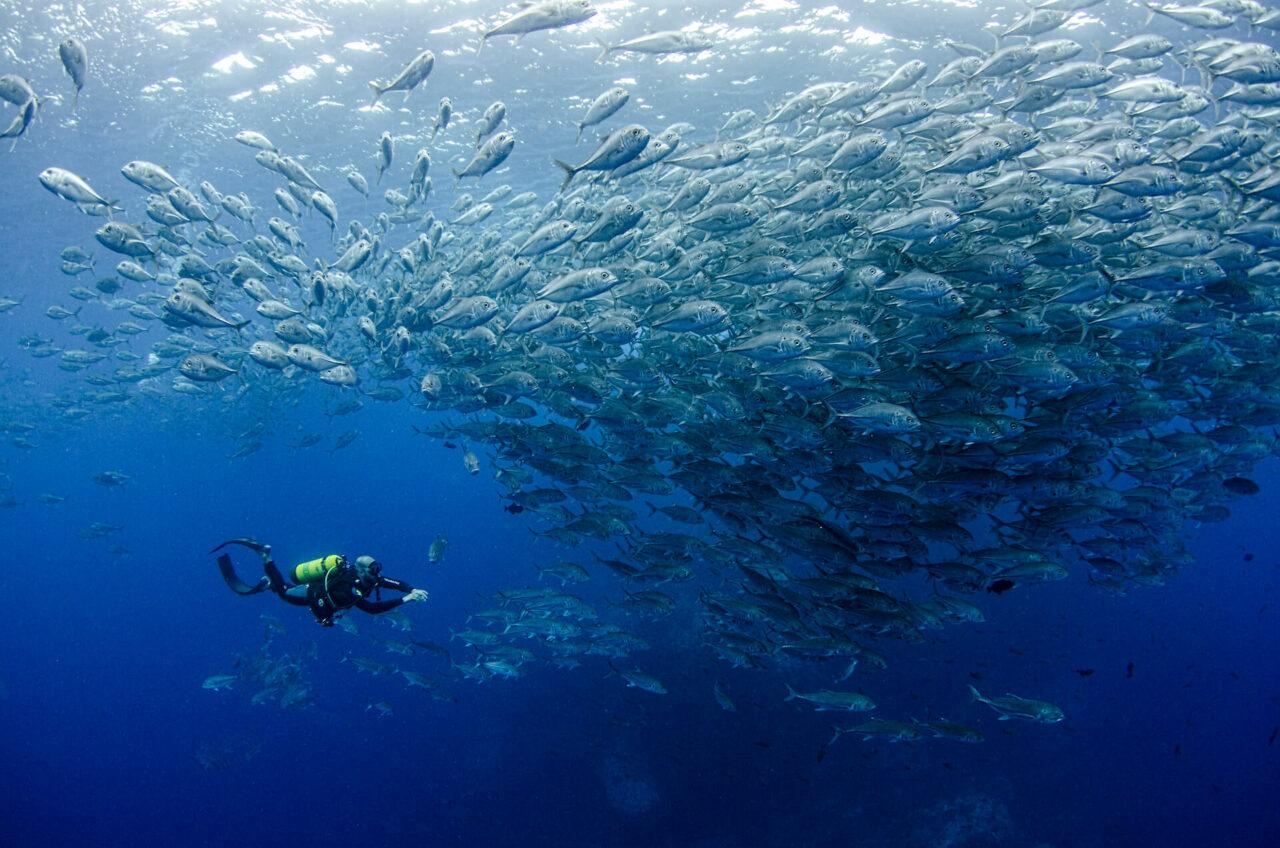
(368, 570)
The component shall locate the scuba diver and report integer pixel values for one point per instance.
(329, 585)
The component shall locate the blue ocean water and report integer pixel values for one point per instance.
(1171, 692)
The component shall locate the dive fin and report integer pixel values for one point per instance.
(245, 542)
(234, 582)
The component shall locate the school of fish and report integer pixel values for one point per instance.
(824, 373)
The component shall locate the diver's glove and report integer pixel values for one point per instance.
(415, 595)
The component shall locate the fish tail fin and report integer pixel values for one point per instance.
(605, 49)
(977, 696)
(75, 100)
(377, 92)
(577, 138)
(569, 171)
(791, 693)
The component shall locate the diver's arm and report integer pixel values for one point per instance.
(394, 585)
(379, 607)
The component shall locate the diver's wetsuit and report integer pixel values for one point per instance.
(325, 600)
(325, 605)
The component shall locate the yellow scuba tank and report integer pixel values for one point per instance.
(316, 569)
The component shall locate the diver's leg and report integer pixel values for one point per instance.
(296, 595)
(234, 582)
(274, 577)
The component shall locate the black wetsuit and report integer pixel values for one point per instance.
(325, 604)
(326, 598)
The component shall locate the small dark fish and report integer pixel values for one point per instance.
(438, 650)
(1177, 749)
(1084, 672)
(1241, 486)
(514, 508)
(1248, 556)
(999, 587)
(1128, 671)
(344, 440)
(1271, 740)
